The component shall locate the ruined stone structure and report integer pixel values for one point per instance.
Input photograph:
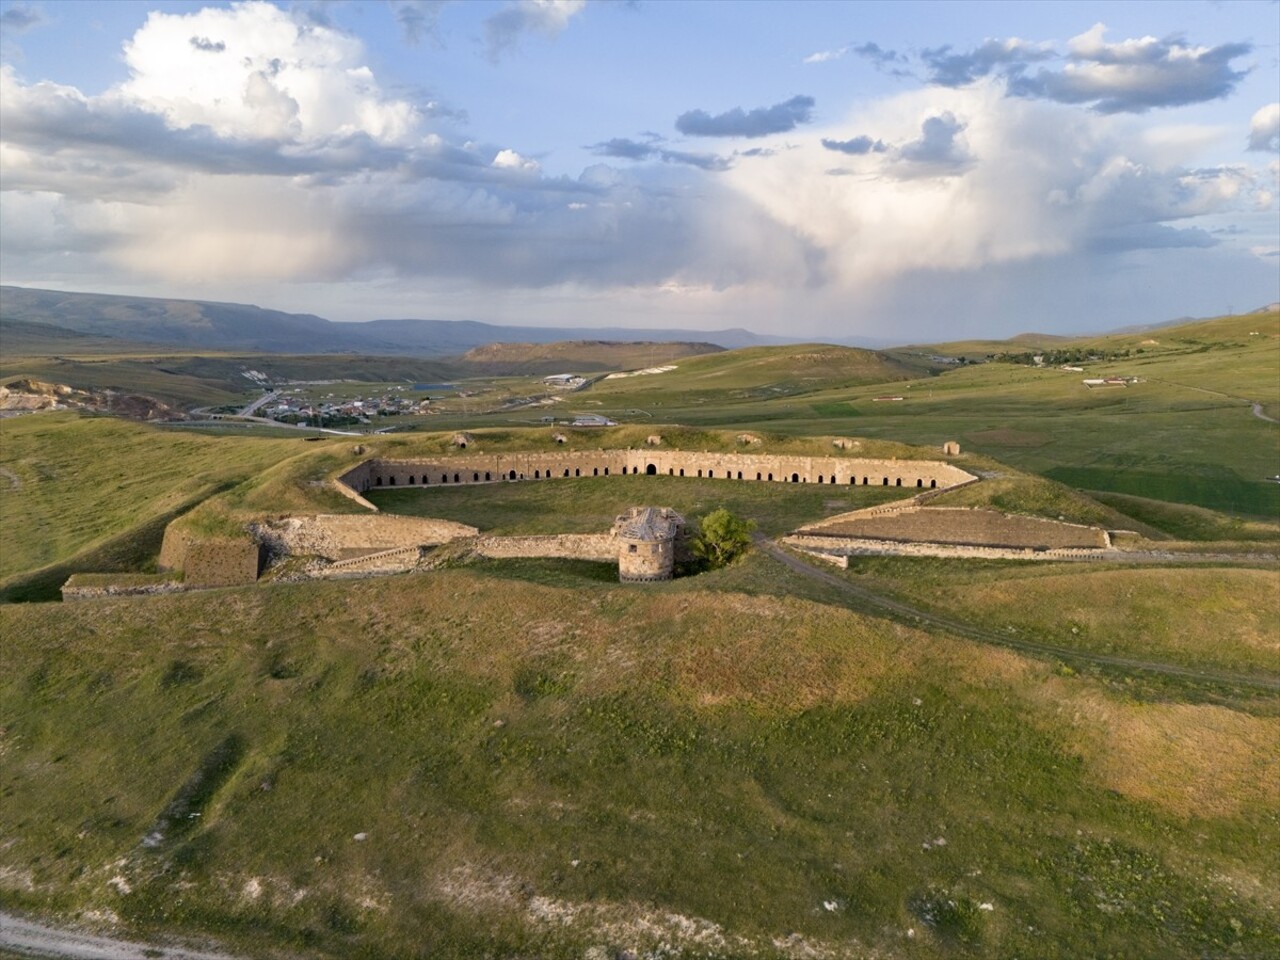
(209, 561)
(647, 538)
(505, 467)
(951, 449)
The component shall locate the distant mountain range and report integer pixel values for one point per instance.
(64, 320)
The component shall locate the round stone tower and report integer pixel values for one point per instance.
(647, 543)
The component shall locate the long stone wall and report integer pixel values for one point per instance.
(583, 546)
(332, 536)
(507, 467)
(837, 549)
(963, 526)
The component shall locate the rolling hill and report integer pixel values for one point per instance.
(196, 325)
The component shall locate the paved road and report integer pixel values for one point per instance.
(875, 603)
(265, 398)
(25, 938)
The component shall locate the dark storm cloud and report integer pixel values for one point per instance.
(1149, 236)
(1131, 76)
(737, 122)
(855, 147)
(947, 69)
(1124, 78)
(624, 148)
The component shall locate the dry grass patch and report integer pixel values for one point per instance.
(779, 654)
(1191, 760)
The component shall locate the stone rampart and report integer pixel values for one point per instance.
(332, 535)
(962, 526)
(221, 562)
(506, 467)
(173, 548)
(573, 546)
(100, 586)
(831, 548)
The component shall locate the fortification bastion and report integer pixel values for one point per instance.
(507, 467)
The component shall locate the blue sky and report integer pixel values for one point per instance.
(900, 171)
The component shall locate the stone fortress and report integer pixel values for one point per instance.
(766, 468)
(645, 542)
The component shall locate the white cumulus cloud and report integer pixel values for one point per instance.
(1264, 128)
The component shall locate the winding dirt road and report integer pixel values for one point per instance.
(877, 604)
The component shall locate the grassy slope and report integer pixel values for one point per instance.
(1222, 618)
(1186, 435)
(622, 758)
(75, 483)
(568, 356)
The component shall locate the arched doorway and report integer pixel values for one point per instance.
(651, 470)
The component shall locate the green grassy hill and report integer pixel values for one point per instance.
(577, 356)
(1186, 434)
(94, 493)
(467, 763)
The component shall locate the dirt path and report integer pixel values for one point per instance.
(15, 482)
(878, 604)
(25, 938)
(1257, 412)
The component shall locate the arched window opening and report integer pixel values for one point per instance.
(886, 482)
(377, 481)
(651, 470)
(699, 472)
(771, 476)
(757, 476)
(411, 479)
(682, 471)
(444, 478)
(537, 474)
(933, 484)
(606, 471)
(475, 478)
(671, 471)
(566, 471)
(919, 482)
(821, 478)
(457, 478)
(393, 480)
(577, 471)
(795, 478)
(739, 474)
(486, 475)
(898, 482)
(512, 475)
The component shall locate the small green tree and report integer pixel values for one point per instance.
(721, 538)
